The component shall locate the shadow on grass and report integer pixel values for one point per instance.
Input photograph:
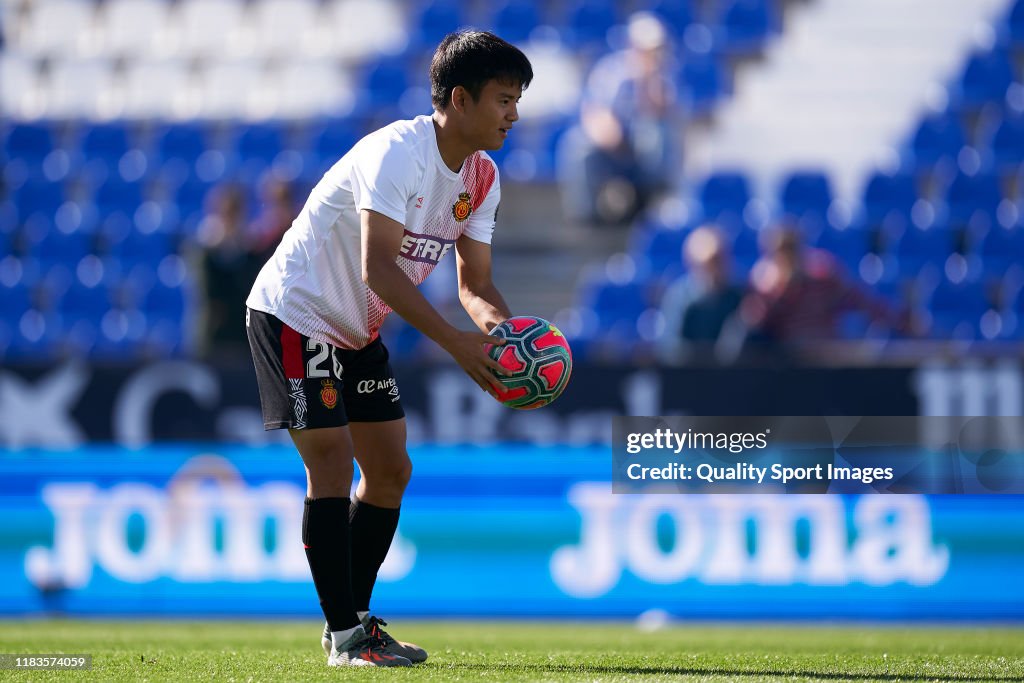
(714, 671)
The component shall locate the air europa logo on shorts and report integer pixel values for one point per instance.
(368, 386)
(424, 248)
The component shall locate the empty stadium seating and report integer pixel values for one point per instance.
(121, 115)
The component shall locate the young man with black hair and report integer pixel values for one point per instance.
(372, 229)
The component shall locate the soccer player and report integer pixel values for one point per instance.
(372, 229)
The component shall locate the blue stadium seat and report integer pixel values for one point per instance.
(384, 82)
(515, 19)
(1001, 326)
(331, 139)
(1007, 143)
(35, 337)
(82, 302)
(914, 247)
(552, 134)
(120, 349)
(37, 196)
(108, 141)
(998, 247)
(1013, 295)
(143, 248)
(703, 80)
(263, 141)
(191, 196)
(26, 237)
(404, 340)
(165, 308)
(529, 154)
(58, 247)
(14, 301)
(661, 251)
(158, 216)
(897, 292)
(745, 249)
(968, 195)
(849, 245)
(957, 307)
(938, 138)
(744, 25)
(724, 196)
(436, 19)
(117, 195)
(165, 303)
(677, 14)
(806, 197)
(985, 79)
(185, 141)
(587, 23)
(887, 194)
(77, 215)
(618, 306)
(1012, 28)
(30, 142)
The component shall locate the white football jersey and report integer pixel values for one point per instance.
(313, 283)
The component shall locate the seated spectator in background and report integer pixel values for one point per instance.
(623, 149)
(232, 249)
(700, 306)
(276, 212)
(799, 295)
(226, 265)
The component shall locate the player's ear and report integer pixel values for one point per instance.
(459, 96)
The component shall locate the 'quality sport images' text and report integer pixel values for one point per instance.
(748, 473)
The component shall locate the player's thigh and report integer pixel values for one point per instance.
(380, 449)
(376, 417)
(327, 454)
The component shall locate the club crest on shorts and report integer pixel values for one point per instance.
(462, 208)
(328, 394)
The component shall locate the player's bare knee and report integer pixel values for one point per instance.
(330, 469)
(390, 478)
(403, 473)
(333, 480)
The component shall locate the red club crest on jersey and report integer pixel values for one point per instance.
(462, 208)
(328, 394)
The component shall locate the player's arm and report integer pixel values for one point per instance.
(481, 299)
(381, 242)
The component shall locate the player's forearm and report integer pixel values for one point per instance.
(485, 306)
(396, 290)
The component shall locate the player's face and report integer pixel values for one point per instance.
(490, 118)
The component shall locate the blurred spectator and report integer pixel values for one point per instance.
(799, 295)
(699, 307)
(226, 266)
(276, 211)
(622, 152)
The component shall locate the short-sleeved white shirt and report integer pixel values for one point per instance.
(313, 282)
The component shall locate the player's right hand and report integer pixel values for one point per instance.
(469, 351)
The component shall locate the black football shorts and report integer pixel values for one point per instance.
(309, 384)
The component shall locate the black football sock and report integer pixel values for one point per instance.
(325, 536)
(373, 529)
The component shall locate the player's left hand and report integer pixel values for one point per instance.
(469, 351)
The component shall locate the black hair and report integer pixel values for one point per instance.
(470, 59)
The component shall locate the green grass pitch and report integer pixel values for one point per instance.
(527, 651)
